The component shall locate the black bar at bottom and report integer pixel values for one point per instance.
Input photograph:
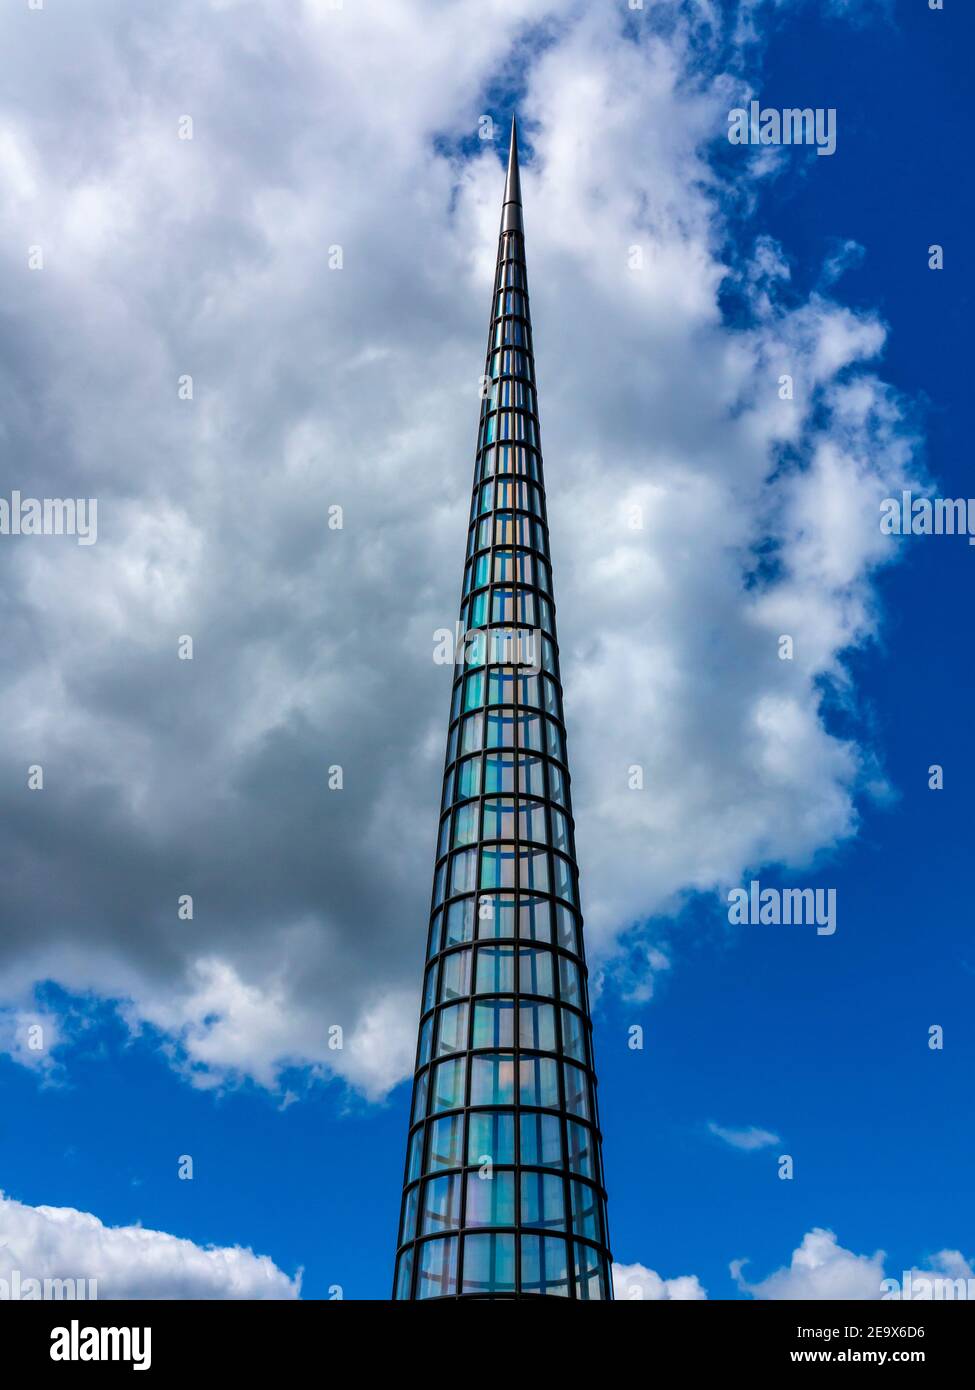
(326, 1336)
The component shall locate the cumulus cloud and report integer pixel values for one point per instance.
(696, 512)
(748, 1139)
(129, 1261)
(820, 1268)
(948, 1275)
(638, 1282)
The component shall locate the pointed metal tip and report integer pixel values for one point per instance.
(511, 207)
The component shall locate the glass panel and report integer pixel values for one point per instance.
(495, 915)
(585, 1211)
(465, 824)
(536, 1026)
(564, 885)
(539, 1081)
(495, 969)
(498, 866)
(573, 1035)
(474, 690)
(438, 884)
(420, 1087)
(531, 822)
(501, 687)
(542, 1202)
(530, 731)
(535, 919)
(490, 1200)
(492, 1080)
(430, 988)
(500, 729)
(472, 733)
(408, 1224)
(441, 1204)
(494, 1023)
(536, 972)
(531, 775)
(477, 609)
(581, 1150)
(460, 922)
(570, 981)
(489, 1264)
(541, 1139)
(456, 975)
(589, 1273)
(404, 1274)
(452, 1032)
(436, 927)
(437, 1272)
(499, 772)
(446, 1147)
(499, 819)
(463, 871)
(503, 602)
(416, 1156)
(576, 1091)
(533, 866)
(425, 1048)
(491, 1138)
(448, 1084)
(469, 778)
(529, 690)
(565, 931)
(544, 1266)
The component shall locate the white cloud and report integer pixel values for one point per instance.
(948, 1276)
(29, 1036)
(312, 387)
(130, 1261)
(638, 1282)
(820, 1269)
(748, 1139)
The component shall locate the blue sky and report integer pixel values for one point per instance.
(821, 1042)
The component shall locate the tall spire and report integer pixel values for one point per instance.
(503, 1192)
(511, 220)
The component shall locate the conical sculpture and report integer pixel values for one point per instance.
(503, 1193)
